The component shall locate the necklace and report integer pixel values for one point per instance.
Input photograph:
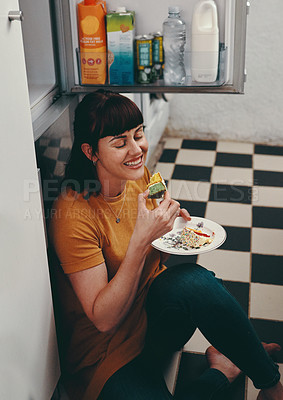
(116, 215)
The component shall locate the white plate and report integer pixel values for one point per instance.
(166, 242)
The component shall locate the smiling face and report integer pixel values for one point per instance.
(121, 158)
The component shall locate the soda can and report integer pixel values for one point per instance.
(158, 54)
(144, 62)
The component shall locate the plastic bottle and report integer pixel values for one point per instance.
(205, 42)
(174, 40)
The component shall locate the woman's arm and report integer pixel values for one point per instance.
(107, 303)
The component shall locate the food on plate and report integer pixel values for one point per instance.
(156, 186)
(194, 238)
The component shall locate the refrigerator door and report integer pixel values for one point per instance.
(41, 58)
(29, 363)
(39, 55)
(232, 19)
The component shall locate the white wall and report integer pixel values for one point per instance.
(256, 116)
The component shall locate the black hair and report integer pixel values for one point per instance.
(101, 113)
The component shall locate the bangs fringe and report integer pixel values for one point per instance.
(120, 114)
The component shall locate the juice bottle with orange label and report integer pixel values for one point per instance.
(92, 38)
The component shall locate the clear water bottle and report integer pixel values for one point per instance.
(174, 40)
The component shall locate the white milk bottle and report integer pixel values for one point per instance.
(205, 42)
(174, 40)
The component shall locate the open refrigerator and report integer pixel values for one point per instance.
(50, 31)
(50, 63)
(149, 18)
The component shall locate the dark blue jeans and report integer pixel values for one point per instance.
(181, 299)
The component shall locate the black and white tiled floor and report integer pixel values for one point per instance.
(240, 186)
(52, 154)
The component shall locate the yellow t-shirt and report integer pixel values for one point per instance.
(84, 234)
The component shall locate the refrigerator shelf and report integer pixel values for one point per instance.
(159, 85)
(232, 35)
(153, 88)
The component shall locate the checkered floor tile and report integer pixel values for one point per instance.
(240, 186)
(52, 155)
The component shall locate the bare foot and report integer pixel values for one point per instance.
(274, 393)
(271, 348)
(218, 361)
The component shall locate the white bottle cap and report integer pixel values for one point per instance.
(121, 9)
(174, 9)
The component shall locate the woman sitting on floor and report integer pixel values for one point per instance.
(124, 312)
